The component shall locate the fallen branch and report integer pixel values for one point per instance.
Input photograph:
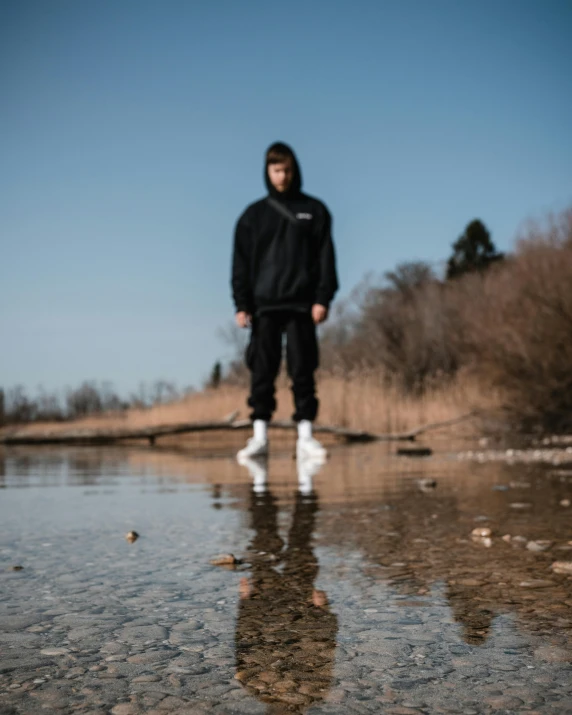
(444, 423)
(111, 436)
(363, 436)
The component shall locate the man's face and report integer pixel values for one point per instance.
(281, 175)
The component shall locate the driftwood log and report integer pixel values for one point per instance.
(102, 436)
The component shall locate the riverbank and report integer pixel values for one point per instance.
(362, 403)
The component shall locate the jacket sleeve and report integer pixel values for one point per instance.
(327, 277)
(241, 288)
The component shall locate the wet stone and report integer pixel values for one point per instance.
(114, 647)
(149, 657)
(19, 623)
(125, 709)
(536, 583)
(136, 634)
(504, 667)
(54, 651)
(503, 702)
(146, 679)
(553, 654)
(539, 546)
(406, 684)
(171, 703)
(175, 681)
(562, 567)
(75, 672)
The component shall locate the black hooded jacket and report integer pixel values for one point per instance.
(281, 265)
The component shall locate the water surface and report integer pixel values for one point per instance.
(360, 587)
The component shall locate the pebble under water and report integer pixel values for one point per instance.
(374, 584)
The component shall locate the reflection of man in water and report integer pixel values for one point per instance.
(471, 611)
(285, 633)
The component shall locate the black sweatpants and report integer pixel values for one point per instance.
(263, 357)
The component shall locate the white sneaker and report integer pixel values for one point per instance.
(254, 448)
(258, 470)
(307, 470)
(310, 448)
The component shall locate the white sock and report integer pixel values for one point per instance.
(261, 430)
(304, 429)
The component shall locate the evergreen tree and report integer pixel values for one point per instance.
(216, 375)
(473, 251)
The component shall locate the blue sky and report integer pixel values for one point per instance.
(132, 134)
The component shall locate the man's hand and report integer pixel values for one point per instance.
(243, 319)
(319, 313)
(319, 598)
(244, 589)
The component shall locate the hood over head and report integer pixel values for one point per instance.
(279, 148)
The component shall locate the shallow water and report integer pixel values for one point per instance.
(361, 588)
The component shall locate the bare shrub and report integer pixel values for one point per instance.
(236, 372)
(18, 407)
(518, 327)
(83, 401)
(398, 326)
(89, 399)
(509, 327)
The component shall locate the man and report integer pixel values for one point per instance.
(283, 280)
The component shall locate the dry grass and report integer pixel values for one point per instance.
(362, 402)
(365, 403)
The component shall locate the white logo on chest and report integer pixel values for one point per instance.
(306, 216)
